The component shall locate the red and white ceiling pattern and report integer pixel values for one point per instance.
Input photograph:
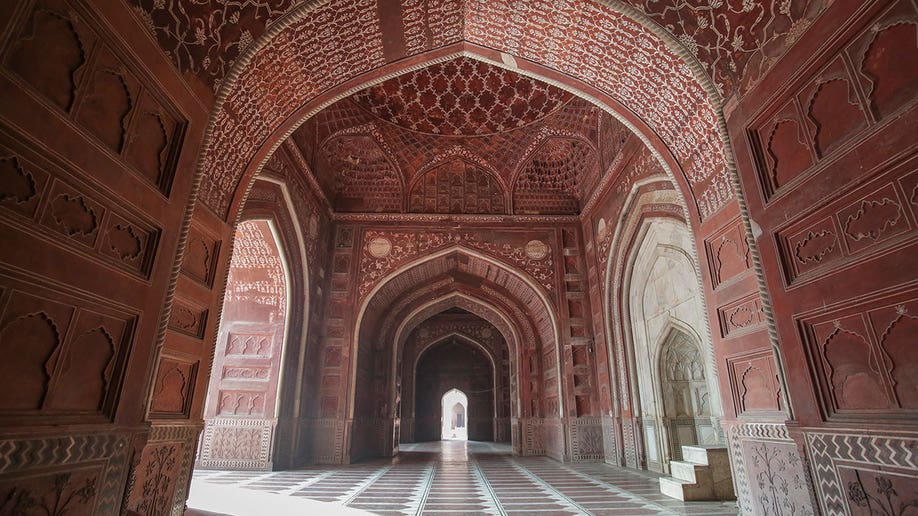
(328, 45)
(536, 148)
(462, 97)
(735, 40)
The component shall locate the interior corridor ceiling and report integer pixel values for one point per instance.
(460, 136)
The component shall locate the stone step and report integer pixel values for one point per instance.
(688, 471)
(705, 454)
(703, 474)
(684, 490)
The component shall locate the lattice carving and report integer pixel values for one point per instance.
(462, 97)
(457, 187)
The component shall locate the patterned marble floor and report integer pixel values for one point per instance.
(458, 477)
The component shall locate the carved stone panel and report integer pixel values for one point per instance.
(88, 221)
(728, 253)
(51, 25)
(200, 257)
(21, 184)
(887, 76)
(66, 491)
(173, 388)
(65, 358)
(74, 474)
(742, 316)
(863, 475)
(188, 319)
(100, 90)
(851, 228)
(754, 383)
(155, 482)
(864, 360)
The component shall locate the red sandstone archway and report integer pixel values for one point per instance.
(458, 298)
(399, 302)
(685, 133)
(687, 138)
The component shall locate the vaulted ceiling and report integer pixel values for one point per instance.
(461, 136)
(734, 41)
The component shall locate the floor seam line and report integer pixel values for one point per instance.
(487, 484)
(615, 487)
(526, 471)
(366, 483)
(429, 482)
(307, 483)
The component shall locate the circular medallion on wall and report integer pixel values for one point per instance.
(536, 249)
(486, 333)
(379, 247)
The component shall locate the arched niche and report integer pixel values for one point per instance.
(273, 440)
(684, 393)
(246, 375)
(653, 285)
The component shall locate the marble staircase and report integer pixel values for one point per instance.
(703, 474)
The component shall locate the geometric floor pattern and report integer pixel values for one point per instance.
(465, 477)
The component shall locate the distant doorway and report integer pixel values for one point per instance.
(454, 419)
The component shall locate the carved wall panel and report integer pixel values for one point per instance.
(777, 480)
(856, 90)
(173, 389)
(832, 109)
(68, 490)
(863, 475)
(66, 355)
(753, 379)
(861, 358)
(102, 228)
(87, 81)
(188, 319)
(741, 317)
(457, 187)
(159, 480)
(586, 439)
(237, 444)
(853, 227)
(728, 253)
(770, 473)
(200, 258)
(76, 474)
(878, 69)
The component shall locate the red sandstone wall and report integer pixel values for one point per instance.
(826, 150)
(98, 142)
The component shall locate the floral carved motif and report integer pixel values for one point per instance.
(404, 246)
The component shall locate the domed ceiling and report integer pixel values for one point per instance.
(460, 137)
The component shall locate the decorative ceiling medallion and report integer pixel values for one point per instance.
(536, 249)
(379, 247)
